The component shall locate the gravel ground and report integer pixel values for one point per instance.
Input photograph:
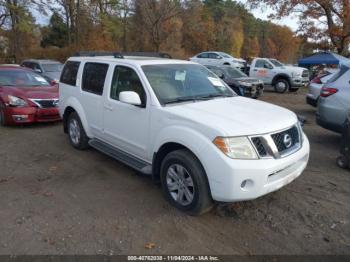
(56, 200)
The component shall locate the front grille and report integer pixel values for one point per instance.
(305, 73)
(46, 103)
(285, 142)
(280, 139)
(259, 146)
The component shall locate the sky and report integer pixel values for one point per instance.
(263, 14)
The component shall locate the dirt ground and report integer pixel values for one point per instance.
(57, 200)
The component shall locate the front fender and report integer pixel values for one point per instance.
(75, 104)
(189, 138)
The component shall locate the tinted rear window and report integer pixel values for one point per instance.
(69, 73)
(338, 75)
(94, 76)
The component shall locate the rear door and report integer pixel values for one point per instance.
(202, 58)
(94, 76)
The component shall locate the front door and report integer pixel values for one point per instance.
(126, 126)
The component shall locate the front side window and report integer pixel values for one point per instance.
(126, 79)
(70, 72)
(276, 63)
(94, 76)
(21, 78)
(173, 83)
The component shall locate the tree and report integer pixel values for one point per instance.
(334, 13)
(17, 24)
(56, 33)
(152, 15)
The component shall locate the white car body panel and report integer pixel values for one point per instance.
(141, 132)
(267, 75)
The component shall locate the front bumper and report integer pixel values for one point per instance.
(300, 81)
(234, 180)
(24, 115)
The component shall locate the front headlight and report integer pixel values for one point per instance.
(242, 83)
(236, 147)
(16, 101)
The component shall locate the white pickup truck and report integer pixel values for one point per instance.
(281, 77)
(180, 123)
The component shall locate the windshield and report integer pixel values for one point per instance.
(21, 78)
(53, 67)
(225, 55)
(276, 62)
(235, 73)
(174, 83)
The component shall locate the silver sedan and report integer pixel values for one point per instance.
(334, 101)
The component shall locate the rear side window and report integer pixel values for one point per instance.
(203, 55)
(69, 73)
(338, 75)
(94, 76)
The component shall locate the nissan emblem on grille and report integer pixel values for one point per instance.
(287, 140)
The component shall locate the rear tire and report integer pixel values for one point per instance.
(281, 85)
(76, 132)
(184, 183)
(342, 162)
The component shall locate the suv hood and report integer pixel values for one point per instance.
(39, 92)
(294, 69)
(235, 116)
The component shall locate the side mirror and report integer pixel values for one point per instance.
(221, 75)
(267, 66)
(130, 97)
(38, 70)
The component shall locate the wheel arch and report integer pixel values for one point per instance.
(282, 76)
(73, 105)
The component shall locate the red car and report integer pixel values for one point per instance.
(26, 97)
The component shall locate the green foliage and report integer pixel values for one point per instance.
(56, 33)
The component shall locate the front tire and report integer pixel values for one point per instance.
(2, 118)
(184, 183)
(76, 132)
(281, 85)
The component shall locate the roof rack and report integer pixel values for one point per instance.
(122, 54)
(147, 54)
(99, 53)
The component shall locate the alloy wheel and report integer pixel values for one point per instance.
(74, 131)
(180, 184)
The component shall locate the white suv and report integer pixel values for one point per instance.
(178, 122)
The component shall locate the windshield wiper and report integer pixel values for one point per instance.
(207, 97)
(180, 99)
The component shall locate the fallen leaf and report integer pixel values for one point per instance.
(150, 245)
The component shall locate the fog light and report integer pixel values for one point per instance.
(20, 118)
(247, 184)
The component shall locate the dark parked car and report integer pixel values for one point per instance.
(49, 69)
(239, 81)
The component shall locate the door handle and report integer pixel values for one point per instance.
(255, 70)
(108, 107)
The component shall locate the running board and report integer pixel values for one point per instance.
(121, 156)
